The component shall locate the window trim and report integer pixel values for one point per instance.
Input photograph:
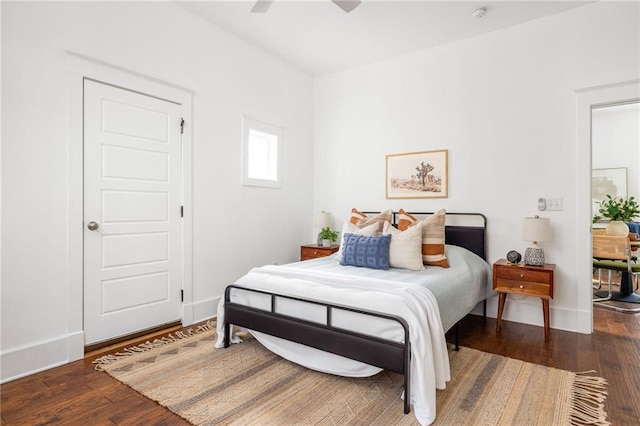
(249, 124)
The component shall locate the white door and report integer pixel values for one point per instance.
(132, 212)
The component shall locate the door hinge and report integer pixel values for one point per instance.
(181, 126)
(181, 211)
(182, 295)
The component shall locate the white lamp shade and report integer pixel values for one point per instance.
(536, 229)
(321, 220)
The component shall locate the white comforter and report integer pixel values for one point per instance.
(414, 303)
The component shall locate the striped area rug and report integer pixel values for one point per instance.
(248, 385)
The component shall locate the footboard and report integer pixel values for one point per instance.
(382, 353)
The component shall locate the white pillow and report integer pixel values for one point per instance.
(350, 228)
(405, 250)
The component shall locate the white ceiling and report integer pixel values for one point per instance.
(320, 38)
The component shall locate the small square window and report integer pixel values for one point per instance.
(261, 153)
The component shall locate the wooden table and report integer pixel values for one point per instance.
(313, 251)
(527, 280)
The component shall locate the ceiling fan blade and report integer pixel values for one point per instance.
(261, 6)
(347, 5)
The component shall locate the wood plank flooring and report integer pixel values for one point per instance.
(76, 394)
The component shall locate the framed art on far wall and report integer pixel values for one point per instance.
(417, 175)
(608, 182)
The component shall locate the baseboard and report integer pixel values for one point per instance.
(27, 360)
(479, 309)
(75, 346)
(205, 309)
(584, 321)
(529, 311)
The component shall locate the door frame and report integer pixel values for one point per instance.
(586, 100)
(80, 67)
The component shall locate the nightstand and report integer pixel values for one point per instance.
(527, 280)
(313, 251)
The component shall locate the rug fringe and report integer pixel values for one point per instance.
(148, 345)
(588, 394)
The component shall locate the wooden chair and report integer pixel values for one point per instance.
(614, 254)
(633, 237)
(599, 231)
(634, 257)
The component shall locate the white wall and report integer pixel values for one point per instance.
(504, 105)
(234, 227)
(616, 142)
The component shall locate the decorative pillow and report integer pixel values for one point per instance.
(405, 220)
(370, 252)
(361, 220)
(433, 240)
(353, 229)
(357, 217)
(405, 250)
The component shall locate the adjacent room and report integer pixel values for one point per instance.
(314, 211)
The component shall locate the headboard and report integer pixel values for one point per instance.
(468, 230)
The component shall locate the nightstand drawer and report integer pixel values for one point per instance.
(313, 251)
(518, 274)
(525, 287)
(526, 280)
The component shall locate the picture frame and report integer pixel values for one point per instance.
(611, 181)
(417, 175)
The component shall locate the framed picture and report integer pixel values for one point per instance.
(417, 175)
(608, 182)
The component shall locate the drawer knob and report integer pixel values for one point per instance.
(521, 286)
(521, 275)
(315, 252)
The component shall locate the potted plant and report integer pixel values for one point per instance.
(618, 210)
(328, 236)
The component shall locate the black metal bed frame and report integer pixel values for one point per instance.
(383, 353)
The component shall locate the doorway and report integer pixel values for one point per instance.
(82, 68)
(615, 155)
(132, 195)
(588, 100)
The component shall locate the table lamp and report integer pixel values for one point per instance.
(535, 229)
(321, 220)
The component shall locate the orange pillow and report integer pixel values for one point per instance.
(433, 241)
(405, 220)
(357, 217)
(361, 220)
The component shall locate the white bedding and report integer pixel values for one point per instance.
(458, 289)
(394, 292)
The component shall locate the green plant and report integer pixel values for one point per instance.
(618, 209)
(327, 234)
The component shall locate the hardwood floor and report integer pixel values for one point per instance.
(77, 394)
(613, 351)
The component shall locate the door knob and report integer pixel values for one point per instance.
(92, 226)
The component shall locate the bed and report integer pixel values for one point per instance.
(355, 321)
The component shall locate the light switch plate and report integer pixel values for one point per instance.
(554, 204)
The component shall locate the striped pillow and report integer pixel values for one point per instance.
(405, 220)
(433, 240)
(361, 220)
(357, 217)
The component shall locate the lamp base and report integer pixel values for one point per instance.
(534, 256)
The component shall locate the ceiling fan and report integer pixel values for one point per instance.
(262, 6)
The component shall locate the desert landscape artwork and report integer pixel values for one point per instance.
(417, 175)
